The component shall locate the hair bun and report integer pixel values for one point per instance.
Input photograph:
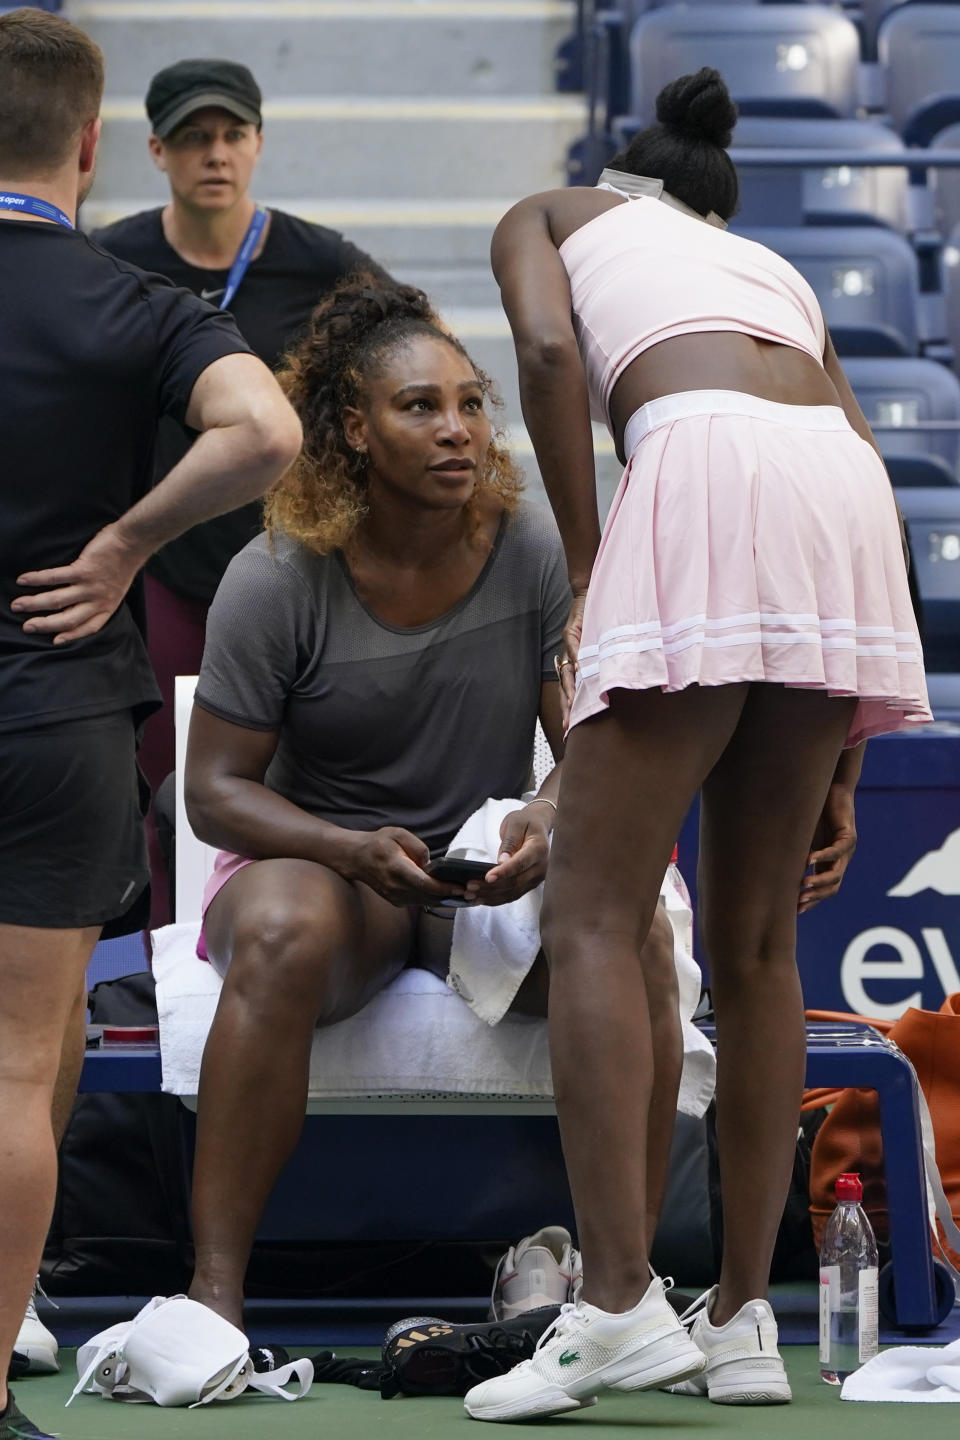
(699, 106)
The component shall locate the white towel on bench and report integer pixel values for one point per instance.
(415, 1039)
(494, 947)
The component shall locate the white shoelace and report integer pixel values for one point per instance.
(569, 1319)
(31, 1311)
(700, 1304)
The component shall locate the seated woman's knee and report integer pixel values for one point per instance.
(658, 961)
(284, 949)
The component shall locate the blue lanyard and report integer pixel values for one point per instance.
(30, 205)
(244, 255)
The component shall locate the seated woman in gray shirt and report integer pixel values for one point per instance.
(375, 666)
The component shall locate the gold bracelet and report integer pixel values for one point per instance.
(542, 800)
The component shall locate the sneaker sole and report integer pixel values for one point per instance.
(757, 1394)
(763, 1382)
(551, 1401)
(696, 1385)
(42, 1360)
(672, 1358)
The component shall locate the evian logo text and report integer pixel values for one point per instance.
(937, 871)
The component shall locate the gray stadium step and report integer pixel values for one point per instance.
(339, 47)
(400, 233)
(386, 148)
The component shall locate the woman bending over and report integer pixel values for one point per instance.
(741, 627)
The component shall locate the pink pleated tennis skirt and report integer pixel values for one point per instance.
(752, 541)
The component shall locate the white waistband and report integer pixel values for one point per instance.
(727, 402)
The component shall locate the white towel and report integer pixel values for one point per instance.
(415, 1037)
(908, 1373)
(494, 947)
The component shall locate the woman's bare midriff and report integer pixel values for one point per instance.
(710, 360)
(720, 360)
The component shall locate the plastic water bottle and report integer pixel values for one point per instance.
(848, 1286)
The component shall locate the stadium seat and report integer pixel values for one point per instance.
(870, 15)
(934, 519)
(944, 693)
(919, 50)
(835, 195)
(951, 286)
(776, 59)
(947, 183)
(918, 471)
(897, 394)
(866, 280)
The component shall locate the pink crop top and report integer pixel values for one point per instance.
(642, 272)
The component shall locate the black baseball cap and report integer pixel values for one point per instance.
(191, 85)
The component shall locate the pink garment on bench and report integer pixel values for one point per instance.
(225, 867)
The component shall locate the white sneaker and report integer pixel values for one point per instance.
(542, 1270)
(587, 1350)
(743, 1363)
(35, 1340)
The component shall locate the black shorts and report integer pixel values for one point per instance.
(72, 847)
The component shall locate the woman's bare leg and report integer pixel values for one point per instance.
(759, 810)
(299, 947)
(629, 777)
(666, 1039)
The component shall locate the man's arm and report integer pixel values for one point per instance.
(249, 436)
(535, 292)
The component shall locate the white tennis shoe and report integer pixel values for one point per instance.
(743, 1364)
(543, 1269)
(36, 1342)
(586, 1351)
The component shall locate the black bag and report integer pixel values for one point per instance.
(689, 1239)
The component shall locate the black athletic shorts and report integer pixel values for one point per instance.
(72, 847)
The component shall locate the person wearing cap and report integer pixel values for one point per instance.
(267, 268)
(94, 352)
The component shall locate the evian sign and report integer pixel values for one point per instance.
(920, 949)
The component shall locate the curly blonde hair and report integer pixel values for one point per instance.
(322, 498)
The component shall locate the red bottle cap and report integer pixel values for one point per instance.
(849, 1187)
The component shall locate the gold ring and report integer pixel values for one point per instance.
(559, 665)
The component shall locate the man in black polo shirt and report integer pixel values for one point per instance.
(93, 352)
(206, 122)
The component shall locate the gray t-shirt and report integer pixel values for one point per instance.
(382, 725)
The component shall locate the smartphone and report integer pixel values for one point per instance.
(450, 871)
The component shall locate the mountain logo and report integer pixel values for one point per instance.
(937, 870)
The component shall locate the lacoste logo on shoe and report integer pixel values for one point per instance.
(568, 1357)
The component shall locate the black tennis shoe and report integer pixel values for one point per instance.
(424, 1355)
(14, 1425)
